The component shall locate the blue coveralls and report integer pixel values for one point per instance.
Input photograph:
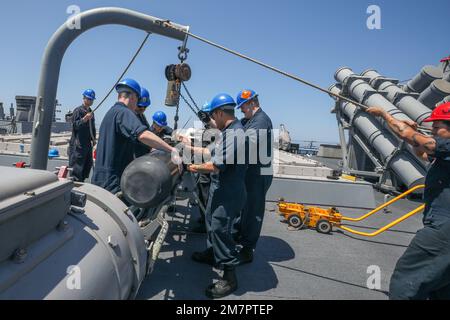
(423, 272)
(141, 149)
(81, 144)
(227, 197)
(250, 222)
(119, 133)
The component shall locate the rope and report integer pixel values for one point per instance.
(91, 131)
(187, 122)
(125, 71)
(114, 86)
(360, 105)
(364, 107)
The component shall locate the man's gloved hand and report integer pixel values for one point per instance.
(204, 117)
(183, 139)
(87, 117)
(176, 158)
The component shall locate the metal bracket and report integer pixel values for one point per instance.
(349, 80)
(352, 119)
(366, 149)
(154, 248)
(400, 148)
(342, 121)
(333, 110)
(183, 50)
(376, 82)
(400, 95)
(367, 94)
(364, 173)
(381, 185)
(384, 93)
(344, 92)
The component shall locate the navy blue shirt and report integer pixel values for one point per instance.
(82, 137)
(229, 157)
(119, 134)
(437, 182)
(253, 127)
(141, 149)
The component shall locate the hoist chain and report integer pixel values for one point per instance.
(190, 96)
(176, 118)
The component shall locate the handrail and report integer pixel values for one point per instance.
(390, 225)
(54, 54)
(385, 204)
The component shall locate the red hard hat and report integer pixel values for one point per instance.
(441, 112)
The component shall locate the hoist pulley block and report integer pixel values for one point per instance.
(180, 72)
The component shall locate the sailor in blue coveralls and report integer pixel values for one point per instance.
(204, 180)
(423, 272)
(259, 176)
(227, 194)
(82, 140)
(159, 125)
(119, 132)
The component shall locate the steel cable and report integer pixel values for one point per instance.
(124, 72)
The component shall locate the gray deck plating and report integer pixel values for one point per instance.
(288, 264)
(322, 191)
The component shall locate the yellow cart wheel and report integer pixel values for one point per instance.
(295, 221)
(324, 226)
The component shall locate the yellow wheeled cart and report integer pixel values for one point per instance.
(323, 220)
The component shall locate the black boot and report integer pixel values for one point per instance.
(245, 256)
(206, 257)
(222, 288)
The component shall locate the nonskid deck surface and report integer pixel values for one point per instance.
(287, 264)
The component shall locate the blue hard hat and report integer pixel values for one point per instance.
(53, 153)
(144, 101)
(89, 94)
(245, 96)
(221, 100)
(160, 118)
(129, 84)
(206, 106)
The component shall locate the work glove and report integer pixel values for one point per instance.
(87, 117)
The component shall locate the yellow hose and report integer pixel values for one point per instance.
(385, 204)
(390, 225)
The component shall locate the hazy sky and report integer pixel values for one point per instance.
(311, 39)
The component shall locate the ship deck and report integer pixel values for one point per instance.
(300, 264)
